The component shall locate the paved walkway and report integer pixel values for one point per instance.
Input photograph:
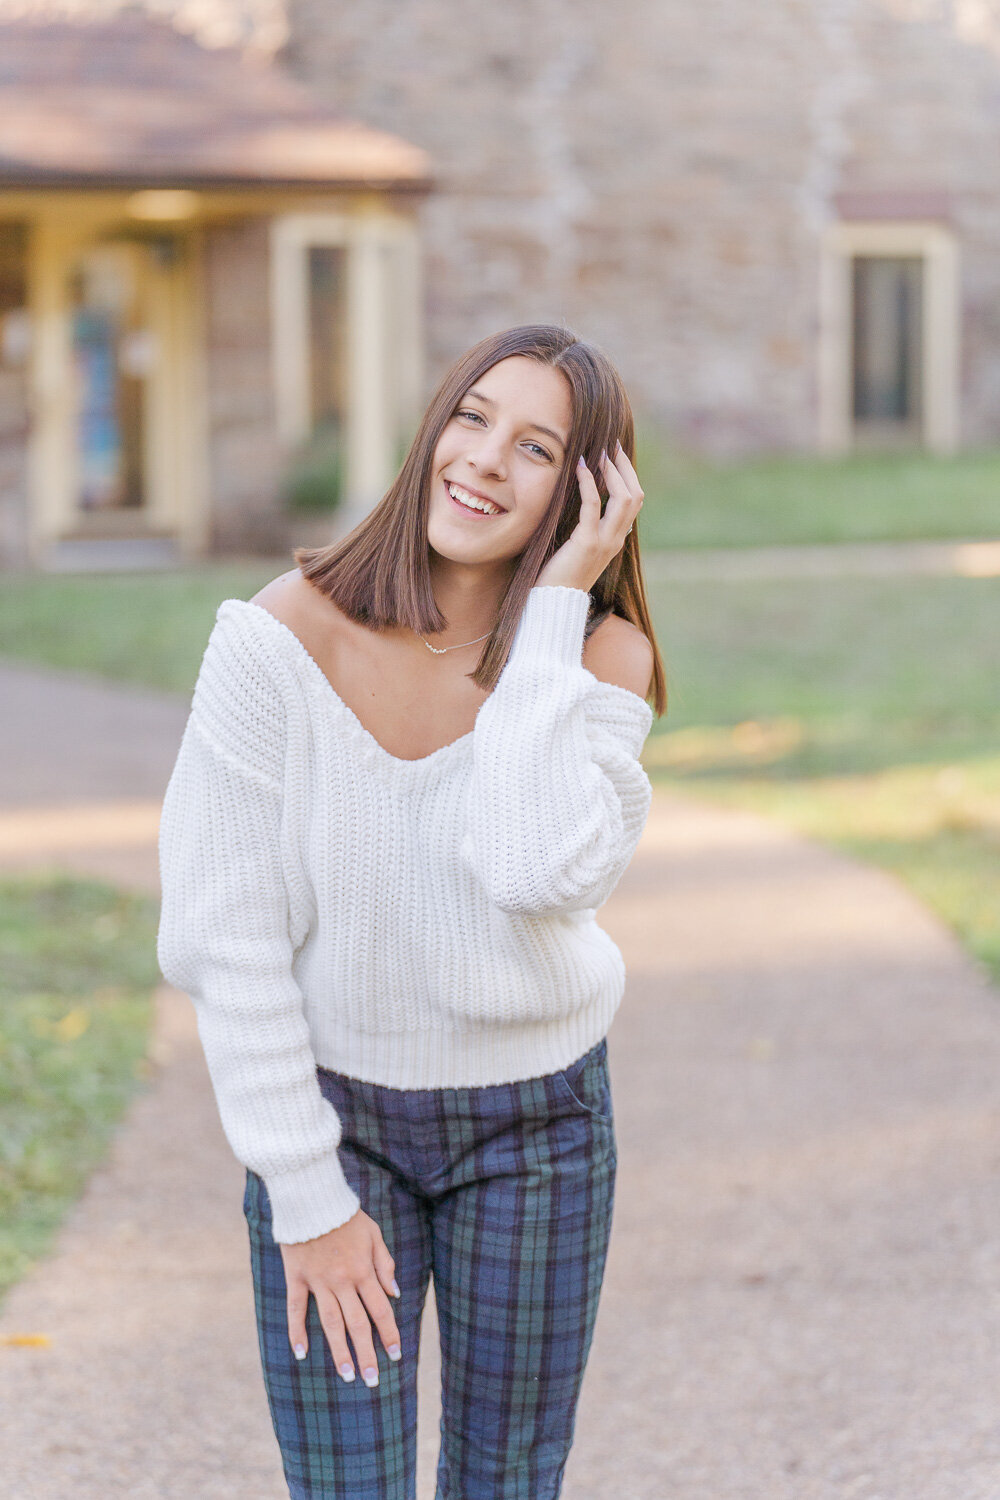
(803, 1293)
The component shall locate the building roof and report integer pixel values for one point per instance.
(131, 101)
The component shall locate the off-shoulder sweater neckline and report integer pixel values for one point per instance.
(325, 687)
(296, 647)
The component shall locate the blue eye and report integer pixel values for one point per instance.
(465, 411)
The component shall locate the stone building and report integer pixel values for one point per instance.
(781, 219)
(203, 270)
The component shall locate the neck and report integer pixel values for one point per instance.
(469, 595)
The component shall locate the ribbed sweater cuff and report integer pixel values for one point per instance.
(310, 1201)
(551, 625)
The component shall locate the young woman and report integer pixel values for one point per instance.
(409, 779)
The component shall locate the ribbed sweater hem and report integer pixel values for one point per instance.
(473, 1058)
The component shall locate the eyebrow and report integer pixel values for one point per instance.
(535, 426)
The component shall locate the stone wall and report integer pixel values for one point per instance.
(929, 117)
(658, 177)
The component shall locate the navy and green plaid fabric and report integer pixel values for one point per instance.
(505, 1195)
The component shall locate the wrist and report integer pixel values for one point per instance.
(564, 577)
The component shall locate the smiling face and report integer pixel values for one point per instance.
(497, 462)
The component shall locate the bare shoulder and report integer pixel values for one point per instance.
(292, 599)
(618, 652)
(283, 595)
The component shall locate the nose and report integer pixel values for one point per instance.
(488, 455)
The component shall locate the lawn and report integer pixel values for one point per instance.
(862, 712)
(77, 968)
(151, 628)
(864, 673)
(147, 628)
(877, 497)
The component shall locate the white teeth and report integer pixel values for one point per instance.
(473, 501)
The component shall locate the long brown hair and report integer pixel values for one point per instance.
(379, 574)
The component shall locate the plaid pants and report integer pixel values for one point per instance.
(503, 1193)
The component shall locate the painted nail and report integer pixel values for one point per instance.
(395, 1288)
(618, 447)
(370, 1376)
(347, 1372)
(604, 455)
(394, 1351)
(300, 1351)
(581, 462)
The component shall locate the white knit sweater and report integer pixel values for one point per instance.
(416, 923)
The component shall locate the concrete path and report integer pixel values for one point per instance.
(803, 1293)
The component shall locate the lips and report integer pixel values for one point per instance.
(470, 502)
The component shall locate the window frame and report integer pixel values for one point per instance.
(383, 338)
(936, 246)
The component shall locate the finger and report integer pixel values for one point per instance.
(385, 1268)
(297, 1301)
(590, 496)
(332, 1319)
(622, 506)
(378, 1306)
(618, 485)
(624, 465)
(359, 1329)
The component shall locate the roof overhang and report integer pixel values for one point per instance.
(131, 103)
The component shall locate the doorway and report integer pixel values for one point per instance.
(887, 349)
(117, 445)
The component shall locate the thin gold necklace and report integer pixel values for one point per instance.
(440, 650)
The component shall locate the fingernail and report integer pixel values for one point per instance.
(395, 1288)
(618, 446)
(581, 462)
(347, 1372)
(604, 455)
(394, 1351)
(371, 1376)
(300, 1351)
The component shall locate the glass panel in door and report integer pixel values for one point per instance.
(113, 353)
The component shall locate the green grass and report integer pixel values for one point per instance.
(77, 968)
(148, 628)
(862, 712)
(873, 672)
(878, 497)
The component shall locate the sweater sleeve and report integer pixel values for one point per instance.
(558, 797)
(225, 939)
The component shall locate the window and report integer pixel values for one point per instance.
(109, 380)
(888, 337)
(327, 322)
(347, 340)
(14, 330)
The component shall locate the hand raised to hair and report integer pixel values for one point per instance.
(596, 539)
